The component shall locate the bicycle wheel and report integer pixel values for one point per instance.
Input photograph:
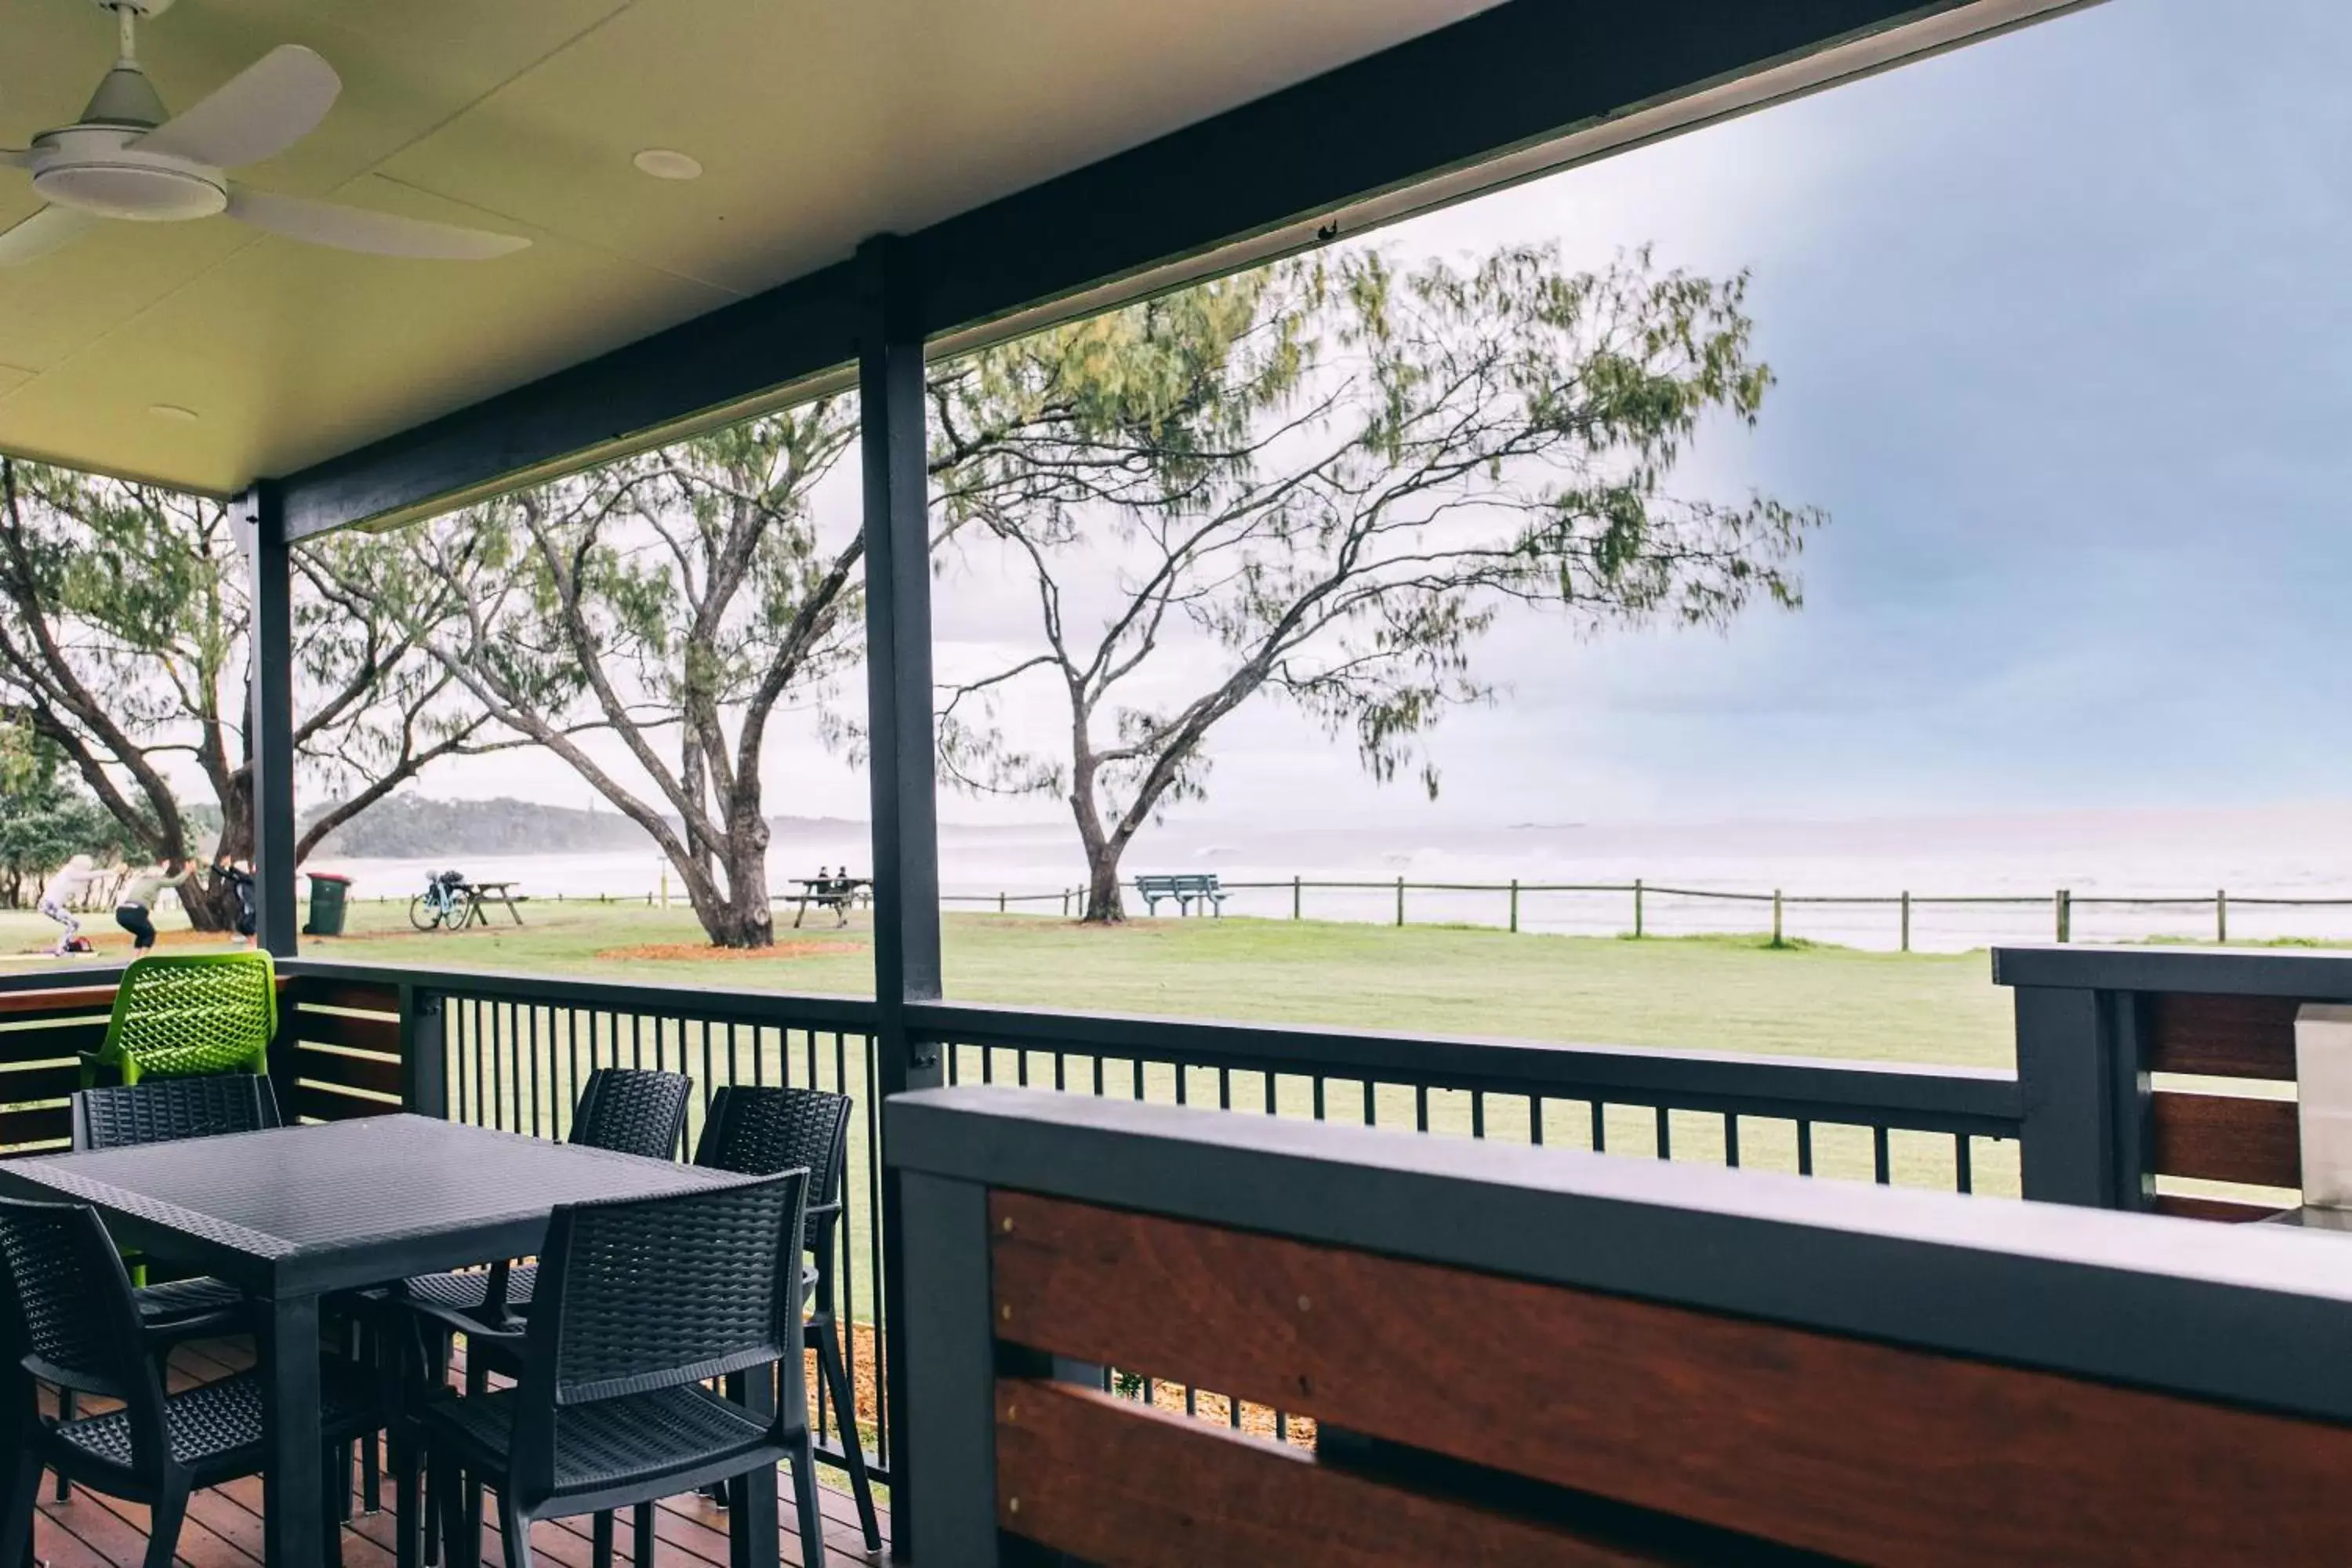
(425, 912)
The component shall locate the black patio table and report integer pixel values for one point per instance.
(293, 1213)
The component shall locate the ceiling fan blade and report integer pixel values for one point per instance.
(255, 114)
(49, 229)
(376, 234)
(16, 157)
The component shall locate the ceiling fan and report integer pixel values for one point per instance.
(126, 158)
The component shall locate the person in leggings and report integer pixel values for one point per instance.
(135, 912)
(57, 899)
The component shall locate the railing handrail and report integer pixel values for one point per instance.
(2247, 1320)
(791, 1009)
(1940, 1098)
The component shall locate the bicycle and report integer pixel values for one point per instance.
(440, 904)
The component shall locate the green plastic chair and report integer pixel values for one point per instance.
(189, 1016)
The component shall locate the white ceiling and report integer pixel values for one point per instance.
(817, 122)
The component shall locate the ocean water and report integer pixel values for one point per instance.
(2286, 852)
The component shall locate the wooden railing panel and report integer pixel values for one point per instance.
(1860, 1450)
(1111, 1481)
(2222, 1037)
(353, 1031)
(2218, 1137)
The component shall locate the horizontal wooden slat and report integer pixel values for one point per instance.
(56, 1003)
(49, 1123)
(51, 1042)
(38, 1083)
(2183, 1206)
(2215, 1138)
(322, 1103)
(344, 1029)
(356, 995)
(2222, 1037)
(374, 1073)
(1113, 1481)
(1863, 1450)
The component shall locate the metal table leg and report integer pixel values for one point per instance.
(293, 1486)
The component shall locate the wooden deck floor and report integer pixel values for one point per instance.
(224, 1528)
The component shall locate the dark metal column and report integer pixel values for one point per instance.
(272, 721)
(899, 742)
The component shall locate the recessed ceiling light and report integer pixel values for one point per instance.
(664, 165)
(173, 412)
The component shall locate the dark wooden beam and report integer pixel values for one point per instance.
(271, 741)
(898, 724)
(1525, 87)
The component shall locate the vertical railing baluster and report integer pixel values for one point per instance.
(1599, 1127)
(1321, 1093)
(1477, 1113)
(497, 1062)
(1225, 1094)
(1731, 1138)
(1882, 1163)
(1804, 1146)
(1372, 1103)
(1421, 1107)
(1665, 1134)
(1534, 1120)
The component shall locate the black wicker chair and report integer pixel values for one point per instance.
(760, 1132)
(69, 1316)
(646, 1300)
(160, 1111)
(629, 1111)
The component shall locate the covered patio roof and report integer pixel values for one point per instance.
(1041, 157)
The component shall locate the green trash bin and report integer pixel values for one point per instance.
(328, 893)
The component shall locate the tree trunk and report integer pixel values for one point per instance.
(1104, 906)
(750, 918)
(210, 899)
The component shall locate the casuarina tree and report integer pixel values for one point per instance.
(672, 602)
(1321, 483)
(123, 647)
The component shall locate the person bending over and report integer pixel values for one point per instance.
(71, 882)
(135, 911)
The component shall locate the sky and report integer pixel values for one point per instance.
(2063, 338)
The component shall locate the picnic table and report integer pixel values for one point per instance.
(834, 893)
(478, 895)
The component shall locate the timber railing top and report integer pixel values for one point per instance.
(2250, 1315)
(1988, 1095)
(2314, 976)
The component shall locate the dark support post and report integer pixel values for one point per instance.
(950, 1349)
(424, 1054)
(899, 743)
(2079, 1065)
(271, 723)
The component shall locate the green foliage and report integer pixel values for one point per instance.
(672, 600)
(44, 821)
(1324, 481)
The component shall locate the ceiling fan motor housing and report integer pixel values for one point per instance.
(92, 169)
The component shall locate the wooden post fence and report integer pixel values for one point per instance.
(1295, 884)
(2065, 913)
(1637, 906)
(1514, 904)
(1776, 917)
(1907, 919)
(2222, 915)
(1400, 900)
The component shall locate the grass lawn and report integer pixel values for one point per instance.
(1731, 993)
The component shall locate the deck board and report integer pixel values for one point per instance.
(224, 1528)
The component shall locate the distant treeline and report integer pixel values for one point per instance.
(413, 827)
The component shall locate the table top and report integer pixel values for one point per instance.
(300, 1210)
(833, 882)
